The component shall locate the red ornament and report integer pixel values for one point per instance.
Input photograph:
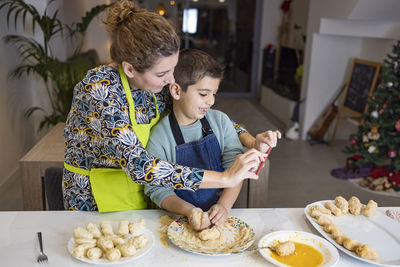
(379, 172)
(354, 141)
(386, 104)
(397, 125)
(392, 153)
(381, 111)
(394, 178)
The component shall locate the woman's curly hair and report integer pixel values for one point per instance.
(138, 36)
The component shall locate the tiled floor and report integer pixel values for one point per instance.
(299, 172)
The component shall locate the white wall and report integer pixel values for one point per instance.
(270, 22)
(96, 35)
(353, 28)
(375, 10)
(15, 96)
(18, 135)
(317, 10)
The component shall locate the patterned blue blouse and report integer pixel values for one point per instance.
(98, 134)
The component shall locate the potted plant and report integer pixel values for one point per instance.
(59, 76)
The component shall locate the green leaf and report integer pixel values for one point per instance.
(32, 110)
(83, 25)
(60, 77)
(9, 15)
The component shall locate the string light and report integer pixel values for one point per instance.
(161, 9)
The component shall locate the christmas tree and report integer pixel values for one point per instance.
(378, 137)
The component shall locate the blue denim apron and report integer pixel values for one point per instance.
(204, 154)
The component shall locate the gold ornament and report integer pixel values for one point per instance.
(373, 134)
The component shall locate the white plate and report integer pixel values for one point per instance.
(380, 231)
(355, 182)
(329, 252)
(103, 261)
(175, 233)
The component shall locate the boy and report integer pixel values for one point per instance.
(196, 136)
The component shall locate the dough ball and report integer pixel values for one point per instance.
(324, 220)
(93, 229)
(354, 205)
(367, 252)
(340, 238)
(285, 248)
(80, 250)
(105, 243)
(336, 232)
(329, 228)
(80, 232)
(113, 254)
(136, 227)
(351, 244)
(80, 241)
(209, 234)
(123, 229)
(106, 228)
(117, 240)
(370, 209)
(138, 241)
(335, 210)
(196, 217)
(342, 204)
(94, 253)
(320, 209)
(127, 250)
(315, 214)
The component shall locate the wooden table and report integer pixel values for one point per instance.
(19, 245)
(48, 152)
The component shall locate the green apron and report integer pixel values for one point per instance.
(113, 189)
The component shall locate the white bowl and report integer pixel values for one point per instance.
(328, 251)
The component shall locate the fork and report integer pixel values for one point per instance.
(253, 249)
(42, 258)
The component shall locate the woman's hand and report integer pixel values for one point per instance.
(198, 219)
(243, 167)
(266, 140)
(218, 214)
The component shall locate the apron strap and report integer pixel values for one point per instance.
(176, 130)
(206, 128)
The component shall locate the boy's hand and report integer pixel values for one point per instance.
(198, 219)
(266, 140)
(218, 214)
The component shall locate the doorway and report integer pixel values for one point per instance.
(227, 30)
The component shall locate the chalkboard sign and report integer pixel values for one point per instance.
(362, 81)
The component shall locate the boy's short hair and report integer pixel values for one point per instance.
(193, 65)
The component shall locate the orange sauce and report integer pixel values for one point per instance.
(304, 256)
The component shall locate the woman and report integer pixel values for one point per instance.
(112, 112)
